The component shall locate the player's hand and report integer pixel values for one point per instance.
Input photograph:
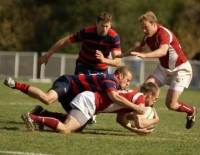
(140, 109)
(144, 132)
(137, 54)
(99, 55)
(43, 59)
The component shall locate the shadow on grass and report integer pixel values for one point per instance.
(106, 132)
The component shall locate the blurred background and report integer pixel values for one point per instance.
(30, 27)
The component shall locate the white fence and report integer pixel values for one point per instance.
(24, 65)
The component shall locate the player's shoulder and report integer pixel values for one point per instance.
(163, 30)
(90, 29)
(112, 33)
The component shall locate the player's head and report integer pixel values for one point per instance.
(148, 22)
(151, 92)
(103, 23)
(124, 76)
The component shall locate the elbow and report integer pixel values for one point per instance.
(118, 120)
(117, 63)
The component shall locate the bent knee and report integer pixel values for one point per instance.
(172, 106)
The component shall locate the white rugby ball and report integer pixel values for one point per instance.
(149, 113)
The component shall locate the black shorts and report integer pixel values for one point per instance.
(62, 86)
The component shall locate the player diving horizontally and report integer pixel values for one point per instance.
(87, 103)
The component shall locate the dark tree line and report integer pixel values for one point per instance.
(34, 25)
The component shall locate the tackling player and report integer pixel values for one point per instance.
(66, 87)
(87, 103)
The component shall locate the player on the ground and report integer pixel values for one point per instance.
(66, 87)
(87, 103)
(174, 69)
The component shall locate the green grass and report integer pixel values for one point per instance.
(106, 137)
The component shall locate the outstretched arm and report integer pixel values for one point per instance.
(56, 47)
(135, 48)
(120, 100)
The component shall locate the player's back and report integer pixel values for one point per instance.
(93, 82)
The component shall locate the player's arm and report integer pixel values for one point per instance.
(56, 47)
(123, 121)
(160, 52)
(120, 100)
(141, 122)
(115, 62)
(135, 48)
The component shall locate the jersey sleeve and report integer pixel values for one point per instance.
(140, 100)
(109, 83)
(77, 37)
(164, 37)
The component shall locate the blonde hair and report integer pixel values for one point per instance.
(149, 87)
(148, 16)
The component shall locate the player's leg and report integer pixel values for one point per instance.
(173, 103)
(74, 121)
(34, 92)
(47, 98)
(32, 120)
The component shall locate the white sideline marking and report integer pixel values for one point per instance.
(22, 153)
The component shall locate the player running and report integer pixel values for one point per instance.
(174, 69)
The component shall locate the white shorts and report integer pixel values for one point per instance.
(85, 102)
(180, 76)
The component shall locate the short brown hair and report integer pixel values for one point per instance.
(149, 87)
(148, 16)
(122, 70)
(104, 16)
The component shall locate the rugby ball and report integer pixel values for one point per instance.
(149, 113)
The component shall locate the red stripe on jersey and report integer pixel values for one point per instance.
(90, 29)
(87, 56)
(71, 37)
(112, 33)
(100, 65)
(99, 43)
(116, 43)
(94, 77)
(74, 87)
(84, 81)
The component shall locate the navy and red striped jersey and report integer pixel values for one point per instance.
(91, 42)
(93, 82)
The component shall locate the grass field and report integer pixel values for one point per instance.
(105, 137)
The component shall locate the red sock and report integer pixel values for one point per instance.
(22, 87)
(185, 108)
(48, 121)
(61, 117)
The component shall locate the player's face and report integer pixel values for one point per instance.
(148, 28)
(150, 99)
(103, 28)
(125, 80)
